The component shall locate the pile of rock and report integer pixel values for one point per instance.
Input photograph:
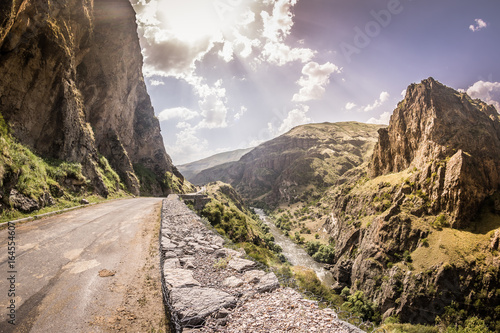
(202, 277)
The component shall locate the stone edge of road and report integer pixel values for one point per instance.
(57, 212)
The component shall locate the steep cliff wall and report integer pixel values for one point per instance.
(71, 88)
(453, 140)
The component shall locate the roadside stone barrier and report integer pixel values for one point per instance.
(201, 277)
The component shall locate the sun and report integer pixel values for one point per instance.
(191, 20)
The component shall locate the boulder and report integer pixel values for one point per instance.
(22, 202)
(179, 278)
(232, 282)
(267, 283)
(193, 305)
(253, 276)
(241, 265)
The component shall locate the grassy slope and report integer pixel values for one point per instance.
(34, 177)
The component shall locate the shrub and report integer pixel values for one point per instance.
(325, 254)
(440, 222)
(359, 305)
(312, 247)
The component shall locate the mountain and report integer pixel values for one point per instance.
(72, 89)
(190, 170)
(417, 230)
(298, 164)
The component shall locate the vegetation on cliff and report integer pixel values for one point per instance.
(31, 184)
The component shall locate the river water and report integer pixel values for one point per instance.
(296, 255)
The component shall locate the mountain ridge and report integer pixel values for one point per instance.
(190, 170)
(269, 169)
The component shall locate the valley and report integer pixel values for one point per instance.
(408, 216)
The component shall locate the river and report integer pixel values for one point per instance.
(296, 255)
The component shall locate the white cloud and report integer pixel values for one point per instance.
(480, 24)
(382, 120)
(350, 106)
(294, 118)
(315, 78)
(227, 52)
(281, 54)
(240, 114)
(403, 93)
(384, 96)
(278, 25)
(155, 83)
(179, 112)
(212, 104)
(188, 146)
(167, 55)
(489, 92)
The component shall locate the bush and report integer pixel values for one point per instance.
(440, 222)
(472, 325)
(312, 247)
(309, 282)
(359, 305)
(325, 254)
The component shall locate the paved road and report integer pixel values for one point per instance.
(58, 288)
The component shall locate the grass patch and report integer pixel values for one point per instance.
(50, 184)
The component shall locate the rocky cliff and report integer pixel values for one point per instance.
(452, 140)
(302, 162)
(71, 88)
(417, 230)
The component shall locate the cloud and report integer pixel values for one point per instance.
(281, 54)
(240, 114)
(277, 26)
(489, 92)
(294, 118)
(315, 78)
(212, 104)
(179, 112)
(350, 106)
(382, 120)
(384, 96)
(155, 83)
(480, 24)
(188, 146)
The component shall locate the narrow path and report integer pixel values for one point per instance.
(58, 261)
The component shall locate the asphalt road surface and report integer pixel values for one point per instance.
(58, 260)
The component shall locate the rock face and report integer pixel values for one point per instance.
(452, 139)
(71, 87)
(436, 166)
(280, 170)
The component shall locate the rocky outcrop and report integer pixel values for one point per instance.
(452, 140)
(71, 87)
(436, 166)
(281, 169)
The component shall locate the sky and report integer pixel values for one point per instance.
(231, 74)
